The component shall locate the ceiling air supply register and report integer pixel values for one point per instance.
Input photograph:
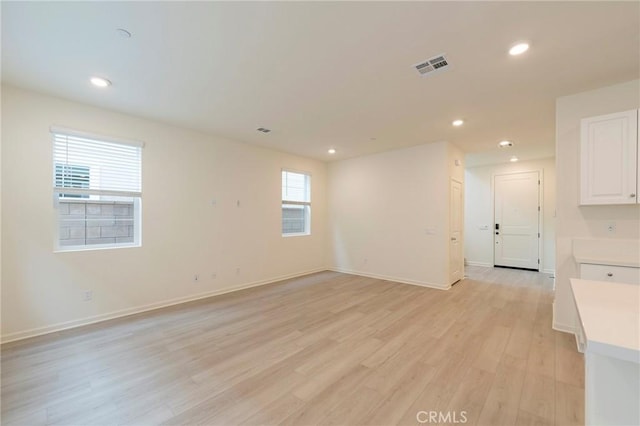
(432, 65)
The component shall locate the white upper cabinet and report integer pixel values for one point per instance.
(609, 159)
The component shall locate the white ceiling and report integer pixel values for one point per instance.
(328, 74)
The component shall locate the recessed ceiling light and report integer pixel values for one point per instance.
(123, 33)
(458, 122)
(100, 82)
(331, 151)
(513, 159)
(505, 143)
(518, 49)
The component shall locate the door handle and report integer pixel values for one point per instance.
(454, 239)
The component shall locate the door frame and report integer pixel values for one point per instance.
(540, 212)
(462, 230)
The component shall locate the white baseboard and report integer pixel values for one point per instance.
(483, 264)
(563, 328)
(20, 335)
(389, 278)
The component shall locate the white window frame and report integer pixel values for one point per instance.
(306, 205)
(92, 195)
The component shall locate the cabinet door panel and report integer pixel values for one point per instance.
(609, 153)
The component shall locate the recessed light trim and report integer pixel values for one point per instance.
(505, 144)
(100, 82)
(331, 151)
(123, 33)
(457, 123)
(513, 159)
(518, 49)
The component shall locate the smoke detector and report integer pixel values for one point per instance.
(431, 65)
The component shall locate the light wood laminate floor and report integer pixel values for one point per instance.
(327, 348)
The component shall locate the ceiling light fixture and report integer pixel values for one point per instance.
(331, 151)
(123, 33)
(458, 122)
(518, 49)
(100, 82)
(513, 159)
(505, 144)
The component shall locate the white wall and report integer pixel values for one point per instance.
(574, 221)
(382, 206)
(183, 233)
(479, 244)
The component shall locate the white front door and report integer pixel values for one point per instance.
(517, 210)
(456, 260)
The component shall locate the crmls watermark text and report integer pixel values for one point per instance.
(441, 417)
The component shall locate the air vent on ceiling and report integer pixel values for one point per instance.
(263, 130)
(431, 65)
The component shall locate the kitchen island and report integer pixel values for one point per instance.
(609, 321)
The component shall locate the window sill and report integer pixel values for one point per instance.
(95, 248)
(301, 234)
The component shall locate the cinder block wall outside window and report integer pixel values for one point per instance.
(95, 222)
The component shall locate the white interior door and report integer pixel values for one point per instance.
(456, 259)
(516, 221)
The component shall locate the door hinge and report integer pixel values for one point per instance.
(538, 261)
(538, 181)
(538, 208)
(538, 235)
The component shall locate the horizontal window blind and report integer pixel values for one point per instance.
(295, 187)
(296, 203)
(83, 165)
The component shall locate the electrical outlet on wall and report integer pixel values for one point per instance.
(611, 227)
(87, 295)
(196, 278)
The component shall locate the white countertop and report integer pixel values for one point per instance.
(607, 251)
(610, 317)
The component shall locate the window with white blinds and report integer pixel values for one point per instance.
(98, 186)
(113, 168)
(296, 203)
